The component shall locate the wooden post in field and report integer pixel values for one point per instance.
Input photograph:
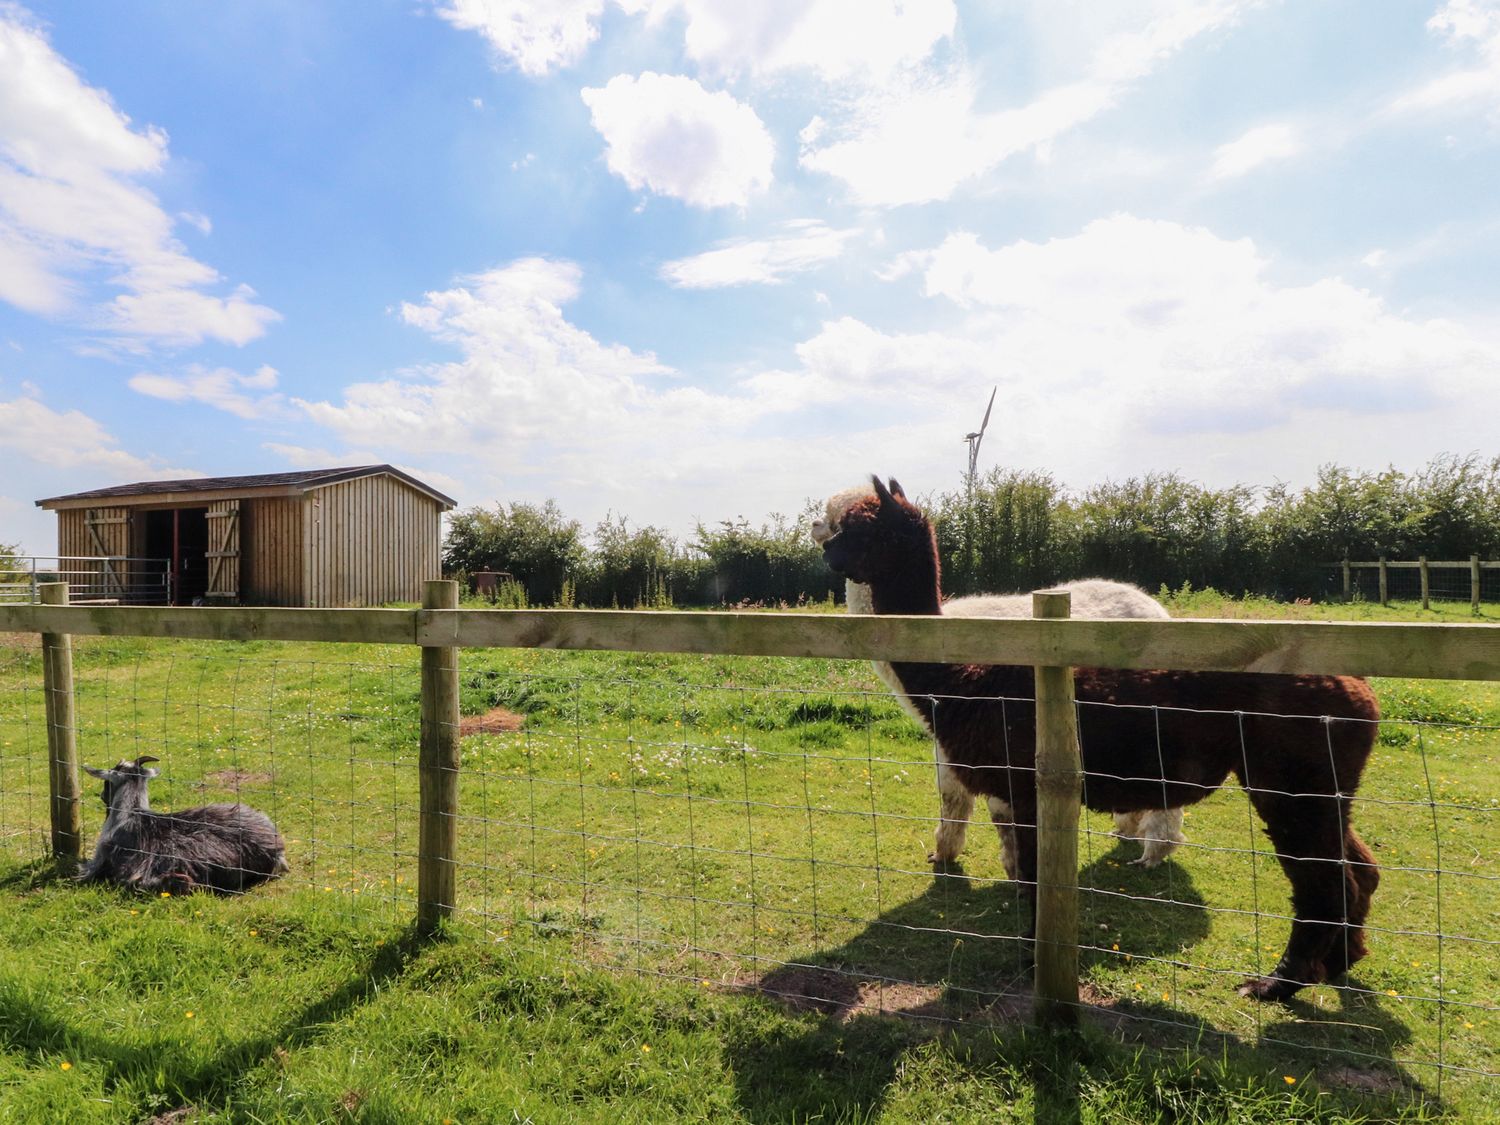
(437, 829)
(1474, 584)
(1384, 588)
(62, 737)
(1426, 582)
(1348, 581)
(1059, 784)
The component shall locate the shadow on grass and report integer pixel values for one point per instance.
(29, 1027)
(946, 971)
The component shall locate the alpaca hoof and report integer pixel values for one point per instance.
(1270, 988)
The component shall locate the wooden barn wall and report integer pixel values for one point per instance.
(370, 541)
(111, 525)
(89, 533)
(271, 551)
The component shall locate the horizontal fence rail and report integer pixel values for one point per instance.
(1440, 652)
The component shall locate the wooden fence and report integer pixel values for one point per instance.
(1474, 566)
(1049, 642)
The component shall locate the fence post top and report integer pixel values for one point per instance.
(52, 593)
(1051, 603)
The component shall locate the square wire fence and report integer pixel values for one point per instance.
(738, 833)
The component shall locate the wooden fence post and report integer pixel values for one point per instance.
(62, 737)
(1474, 584)
(1384, 588)
(1059, 783)
(1426, 580)
(1348, 581)
(437, 830)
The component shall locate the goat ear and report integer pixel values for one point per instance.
(896, 489)
(102, 775)
(880, 490)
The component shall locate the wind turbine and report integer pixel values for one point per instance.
(978, 436)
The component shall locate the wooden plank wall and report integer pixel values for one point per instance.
(271, 551)
(73, 533)
(224, 570)
(370, 541)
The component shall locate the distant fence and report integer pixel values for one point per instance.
(110, 579)
(1470, 580)
(576, 809)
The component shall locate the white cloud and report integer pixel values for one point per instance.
(71, 207)
(1144, 331)
(802, 246)
(71, 440)
(1470, 27)
(1264, 144)
(836, 39)
(526, 373)
(221, 388)
(535, 35)
(669, 135)
(918, 139)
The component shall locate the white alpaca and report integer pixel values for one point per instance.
(1158, 830)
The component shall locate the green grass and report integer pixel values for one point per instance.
(694, 888)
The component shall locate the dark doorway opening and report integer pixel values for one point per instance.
(181, 535)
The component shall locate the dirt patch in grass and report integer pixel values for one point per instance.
(1367, 1079)
(497, 720)
(178, 1116)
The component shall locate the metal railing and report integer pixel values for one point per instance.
(100, 579)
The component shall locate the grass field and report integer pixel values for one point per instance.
(696, 889)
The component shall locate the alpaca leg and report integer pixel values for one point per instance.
(1362, 877)
(1004, 820)
(956, 803)
(1160, 833)
(1312, 837)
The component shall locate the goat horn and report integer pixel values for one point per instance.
(144, 758)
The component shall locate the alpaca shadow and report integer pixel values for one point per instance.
(951, 955)
(952, 952)
(950, 959)
(33, 1030)
(1145, 912)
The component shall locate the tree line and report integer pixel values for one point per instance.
(1011, 530)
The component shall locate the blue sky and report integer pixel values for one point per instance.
(682, 259)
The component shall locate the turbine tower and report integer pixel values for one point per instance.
(973, 439)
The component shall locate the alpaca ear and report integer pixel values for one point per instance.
(881, 491)
(896, 489)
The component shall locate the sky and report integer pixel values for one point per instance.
(685, 260)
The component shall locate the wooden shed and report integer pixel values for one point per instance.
(319, 537)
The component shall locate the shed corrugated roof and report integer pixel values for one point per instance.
(303, 480)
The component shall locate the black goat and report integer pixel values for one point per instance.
(222, 848)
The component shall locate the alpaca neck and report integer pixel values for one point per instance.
(915, 590)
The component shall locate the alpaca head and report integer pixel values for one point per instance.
(874, 534)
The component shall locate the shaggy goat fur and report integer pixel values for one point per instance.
(222, 848)
(1298, 744)
(1159, 830)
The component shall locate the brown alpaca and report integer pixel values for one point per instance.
(1298, 744)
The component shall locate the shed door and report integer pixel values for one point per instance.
(108, 540)
(223, 551)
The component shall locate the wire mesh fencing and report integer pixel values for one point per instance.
(766, 826)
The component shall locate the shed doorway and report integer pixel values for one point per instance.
(181, 535)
